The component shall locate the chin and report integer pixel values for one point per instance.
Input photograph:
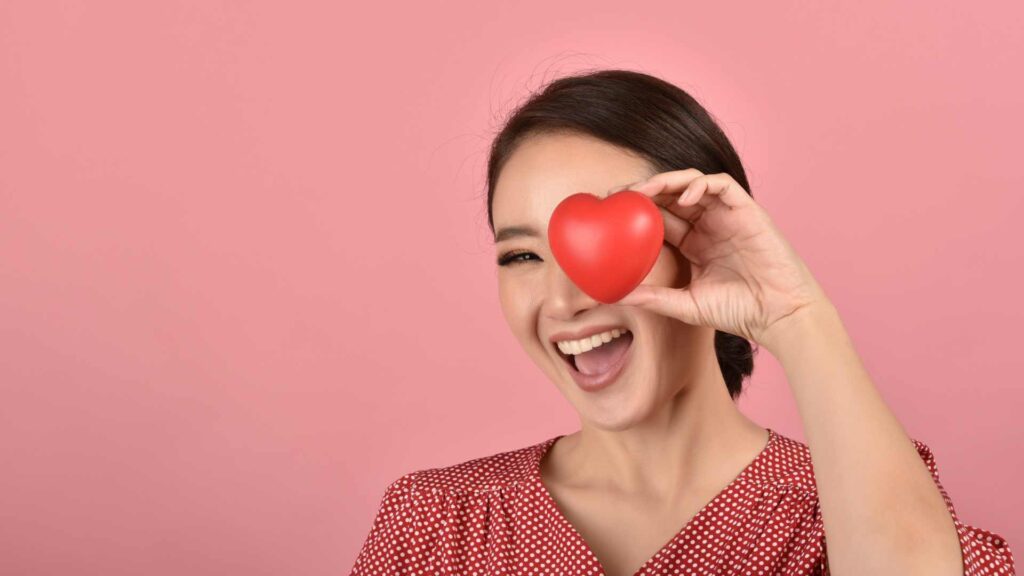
(619, 409)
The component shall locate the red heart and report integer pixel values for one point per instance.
(606, 245)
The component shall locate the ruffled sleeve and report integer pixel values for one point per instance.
(382, 552)
(984, 552)
(806, 551)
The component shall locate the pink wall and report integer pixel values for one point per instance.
(245, 276)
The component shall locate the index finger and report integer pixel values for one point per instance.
(672, 182)
(653, 189)
(665, 197)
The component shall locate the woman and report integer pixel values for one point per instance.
(665, 474)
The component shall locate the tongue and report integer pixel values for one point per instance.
(603, 357)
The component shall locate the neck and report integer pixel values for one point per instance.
(697, 437)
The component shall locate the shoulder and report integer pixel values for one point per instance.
(789, 464)
(786, 466)
(473, 476)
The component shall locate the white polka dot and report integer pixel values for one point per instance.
(493, 515)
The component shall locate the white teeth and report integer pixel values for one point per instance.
(590, 342)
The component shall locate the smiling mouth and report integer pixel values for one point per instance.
(570, 359)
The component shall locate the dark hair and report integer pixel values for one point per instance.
(653, 118)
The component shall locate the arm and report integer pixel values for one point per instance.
(881, 510)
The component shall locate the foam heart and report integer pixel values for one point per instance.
(606, 246)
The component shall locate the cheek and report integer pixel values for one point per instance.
(671, 269)
(515, 304)
(506, 296)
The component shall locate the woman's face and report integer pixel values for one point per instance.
(666, 356)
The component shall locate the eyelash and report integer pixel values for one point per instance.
(509, 257)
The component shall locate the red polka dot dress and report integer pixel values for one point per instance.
(493, 515)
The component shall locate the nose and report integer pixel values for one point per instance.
(563, 299)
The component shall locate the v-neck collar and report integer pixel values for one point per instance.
(759, 469)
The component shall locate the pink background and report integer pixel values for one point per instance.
(246, 278)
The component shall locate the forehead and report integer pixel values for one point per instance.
(547, 168)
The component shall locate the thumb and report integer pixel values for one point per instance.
(675, 303)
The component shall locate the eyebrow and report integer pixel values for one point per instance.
(515, 231)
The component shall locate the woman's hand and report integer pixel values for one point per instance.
(746, 279)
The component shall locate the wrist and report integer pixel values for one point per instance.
(793, 331)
